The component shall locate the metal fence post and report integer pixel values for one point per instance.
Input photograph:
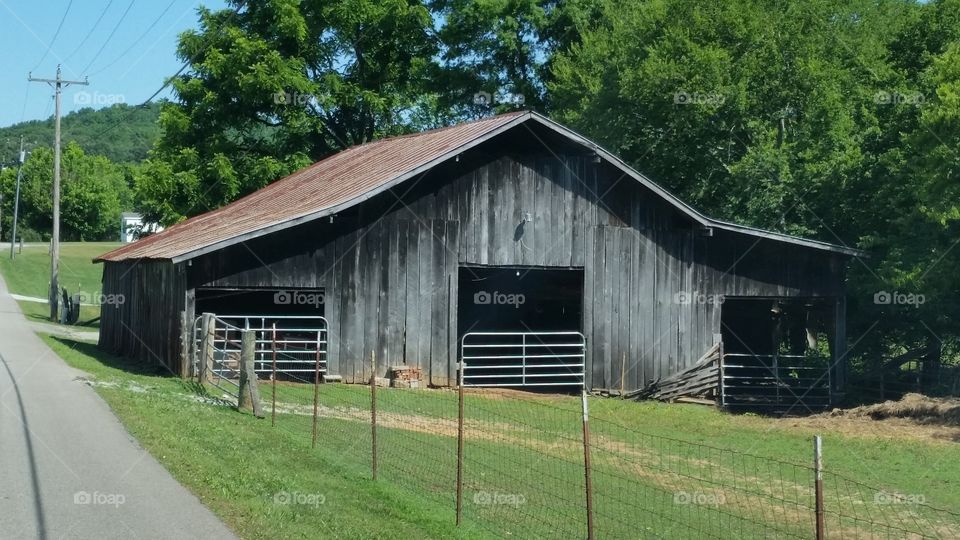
(818, 484)
(273, 376)
(586, 463)
(463, 366)
(373, 413)
(316, 394)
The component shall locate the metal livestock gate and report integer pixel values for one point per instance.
(523, 359)
(296, 343)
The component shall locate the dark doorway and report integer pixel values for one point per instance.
(519, 300)
(784, 326)
(287, 324)
(776, 355)
(520, 327)
(250, 301)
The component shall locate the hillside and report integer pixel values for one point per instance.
(128, 142)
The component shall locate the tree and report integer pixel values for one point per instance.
(276, 85)
(826, 119)
(495, 54)
(94, 191)
(122, 133)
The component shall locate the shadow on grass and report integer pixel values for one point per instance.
(110, 360)
(92, 324)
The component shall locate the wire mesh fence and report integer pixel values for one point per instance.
(518, 463)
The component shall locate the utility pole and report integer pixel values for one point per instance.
(57, 85)
(16, 198)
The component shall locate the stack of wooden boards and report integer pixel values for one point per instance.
(701, 380)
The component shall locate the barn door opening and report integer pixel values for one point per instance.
(261, 301)
(521, 326)
(289, 324)
(776, 354)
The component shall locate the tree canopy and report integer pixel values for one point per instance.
(121, 133)
(94, 191)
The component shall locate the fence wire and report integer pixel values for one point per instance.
(524, 469)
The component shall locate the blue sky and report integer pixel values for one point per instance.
(128, 67)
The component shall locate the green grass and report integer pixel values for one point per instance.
(237, 464)
(523, 474)
(29, 275)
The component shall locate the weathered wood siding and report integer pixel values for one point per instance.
(389, 265)
(146, 325)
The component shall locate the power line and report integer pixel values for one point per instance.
(55, 35)
(139, 39)
(26, 99)
(112, 32)
(90, 33)
(166, 83)
(46, 110)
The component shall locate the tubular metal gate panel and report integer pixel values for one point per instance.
(224, 371)
(777, 383)
(519, 359)
(300, 342)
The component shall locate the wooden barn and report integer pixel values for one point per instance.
(511, 243)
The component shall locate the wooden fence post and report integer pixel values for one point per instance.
(249, 395)
(186, 345)
(205, 359)
(818, 485)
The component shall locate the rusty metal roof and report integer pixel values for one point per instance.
(340, 180)
(360, 172)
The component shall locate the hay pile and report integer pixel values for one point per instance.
(916, 407)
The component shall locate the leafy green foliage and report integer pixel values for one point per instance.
(93, 193)
(837, 120)
(121, 133)
(277, 85)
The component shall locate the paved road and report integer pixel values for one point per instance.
(68, 469)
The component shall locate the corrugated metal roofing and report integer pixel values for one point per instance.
(329, 183)
(357, 173)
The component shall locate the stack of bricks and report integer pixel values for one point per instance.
(405, 377)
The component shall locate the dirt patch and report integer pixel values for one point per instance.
(914, 416)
